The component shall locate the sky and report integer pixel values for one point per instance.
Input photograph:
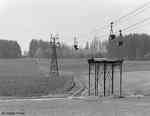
(24, 20)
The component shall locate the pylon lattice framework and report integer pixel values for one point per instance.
(54, 63)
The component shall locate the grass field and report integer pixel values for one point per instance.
(81, 65)
(136, 79)
(136, 74)
(24, 77)
(27, 77)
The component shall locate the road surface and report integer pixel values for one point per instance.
(134, 105)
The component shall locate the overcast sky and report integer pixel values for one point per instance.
(23, 20)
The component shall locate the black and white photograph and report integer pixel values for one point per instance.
(74, 57)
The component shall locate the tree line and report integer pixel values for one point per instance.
(132, 47)
(42, 49)
(9, 49)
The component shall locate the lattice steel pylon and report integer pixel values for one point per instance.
(54, 63)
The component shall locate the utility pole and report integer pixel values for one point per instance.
(54, 63)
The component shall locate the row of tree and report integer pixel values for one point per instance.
(9, 49)
(42, 49)
(95, 46)
(133, 46)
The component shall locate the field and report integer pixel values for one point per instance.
(25, 78)
(136, 75)
(29, 77)
(136, 81)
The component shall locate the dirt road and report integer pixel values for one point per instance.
(77, 107)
